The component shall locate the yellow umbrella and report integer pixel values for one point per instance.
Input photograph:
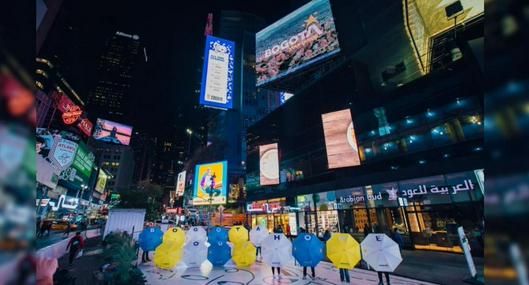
(243, 254)
(238, 234)
(343, 251)
(167, 255)
(176, 235)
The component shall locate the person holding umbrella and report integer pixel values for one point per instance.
(308, 251)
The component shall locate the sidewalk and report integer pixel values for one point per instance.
(82, 268)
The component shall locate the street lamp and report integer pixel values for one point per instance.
(190, 133)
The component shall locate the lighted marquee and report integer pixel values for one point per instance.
(303, 37)
(340, 139)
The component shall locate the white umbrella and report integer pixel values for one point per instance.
(276, 250)
(195, 253)
(257, 235)
(381, 252)
(196, 234)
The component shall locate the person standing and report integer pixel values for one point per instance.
(397, 237)
(277, 230)
(344, 275)
(75, 245)
(302, 230)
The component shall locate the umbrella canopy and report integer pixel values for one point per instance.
(176, 236)
(343, 251)
(307, 250)
(243, 254)
(238, 234)
(196, 233)
(195, 253)
(219, 252)
(381, 252)
(167, 255)
(218, 234)
(276, 250)
(150, 238)
(258, 234)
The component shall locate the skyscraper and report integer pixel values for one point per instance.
(116, 68)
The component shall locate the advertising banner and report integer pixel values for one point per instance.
(62, 153)
(268, 164)
(301, 38)
(81, 169)
(340, 139)
(112, 132)
(210, 183)
(101, 181)
(181, 184)
(217, 73)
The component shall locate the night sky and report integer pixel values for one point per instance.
(174, 36)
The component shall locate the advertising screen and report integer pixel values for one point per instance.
(112, 132)
(81, 169)
(181, 184)
(340, 139)
(101, 181)
(303, 37)
(268, 164)
(210, 183)
(217, 73)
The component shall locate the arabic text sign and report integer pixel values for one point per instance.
(217, 73)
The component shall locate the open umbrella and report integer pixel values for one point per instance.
(219, 252)
(176, 236)
(196, 234)
(381, 252)
(243, 254)
(307, 249)
(276, 250)
(195, 252)
(343, 251)
(258, 234)
(218, 234)
(150, 238)
(238, 234)
(167, 255)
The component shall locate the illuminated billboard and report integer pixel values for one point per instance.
(181, 184)
(101, 183)
(303, 37)
(210, 183)
(217, 73)
(340, 139)
(81, 170)
(112, 132)
(268, 164)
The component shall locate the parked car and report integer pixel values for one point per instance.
(62, 226)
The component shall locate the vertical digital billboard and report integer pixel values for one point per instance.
(217, 73)
(340, 139)
(81, 170)
(112, 132)
(210, 183)
(101, 183)
(301, 38)
(268, 164)
(181, 184)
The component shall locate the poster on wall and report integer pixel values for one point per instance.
(268, 164)
(217, 73)
(112, 132)
(340, 139)
(301, 38)
(181, 184)
(210, 183)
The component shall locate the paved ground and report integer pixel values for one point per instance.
(82, 269)
(260, 274)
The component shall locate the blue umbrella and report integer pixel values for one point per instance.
(307, 249)
(219, 253)
(217, 234)
(150, 238)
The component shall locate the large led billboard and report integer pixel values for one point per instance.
(303, 37)
(268, 164)
(217, 73)
(210, 183)
(340, 139)
(81, 170)
(112, 132)
(101, 183)
(181, 184)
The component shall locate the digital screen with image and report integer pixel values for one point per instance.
(112, 132)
